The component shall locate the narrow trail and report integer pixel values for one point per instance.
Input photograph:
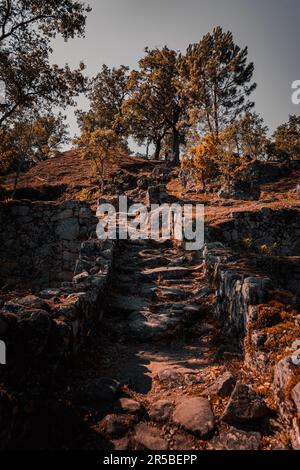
(156, 373)
(158, 346)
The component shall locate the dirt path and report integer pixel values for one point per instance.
(159, 349)
(160, 344)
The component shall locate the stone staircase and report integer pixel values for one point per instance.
(167, 378)
(156, 289)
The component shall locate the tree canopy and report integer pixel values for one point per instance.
(26, 30)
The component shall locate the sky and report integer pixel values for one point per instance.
(117, 32)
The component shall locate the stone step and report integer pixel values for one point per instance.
(145, 325)
(145, 290)
(154, 262)
(179, 282)
(165, 273)
(124, 303)
(172, 293)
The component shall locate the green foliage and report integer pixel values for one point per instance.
(102, 146)
(26, 30)
(27, 141)
(286, 144)
(107, 92)
(217, 78)
(246, 137)
(156, 105)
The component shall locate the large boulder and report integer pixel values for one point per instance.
(161, 411)
(195, 415)
(148, 437)
(223, 386)
(245, 406)
(286, 392)
(243, 186)
(284, 374)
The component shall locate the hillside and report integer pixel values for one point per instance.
(67, 177)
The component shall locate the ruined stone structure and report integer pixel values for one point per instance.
(277, 229)
(52, 248)
(155, 292)
(39, 242)
(241, 299)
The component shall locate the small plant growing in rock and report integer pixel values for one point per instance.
(247, 243)
(277, 322)
(269, 315)
(268, 250)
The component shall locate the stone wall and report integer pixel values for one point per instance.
(40, 331)
(53, 249)
(237, 291)
(270, 341)
(277, 230)
(39, 242)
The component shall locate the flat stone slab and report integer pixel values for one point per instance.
(145, 325)
(127, 405)
(129, 303)
(166, 273)
(195, 415)
(174, 377)
(172, 293)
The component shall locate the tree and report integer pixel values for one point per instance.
(229, 153)
(26, 30)
(245, 137)
(46, 17)
(50, 132)
(287, 140)
(216, 78)
(145, 122)
(102, 146)
(107, 92)
(156, 105)
(28, 140)
(200, 161)
(31, 83)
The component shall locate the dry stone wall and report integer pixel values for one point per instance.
(41, 245)
(240, 298)
(39, 242)
(237, 292)
(277, 230)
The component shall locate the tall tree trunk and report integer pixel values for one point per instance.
(203, 181)
(157, 149)
(216, 115)
(176, 146)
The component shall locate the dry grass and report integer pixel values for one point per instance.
(72, 172)
(277, 321)
(280, 194)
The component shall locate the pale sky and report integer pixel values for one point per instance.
(118, 30)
